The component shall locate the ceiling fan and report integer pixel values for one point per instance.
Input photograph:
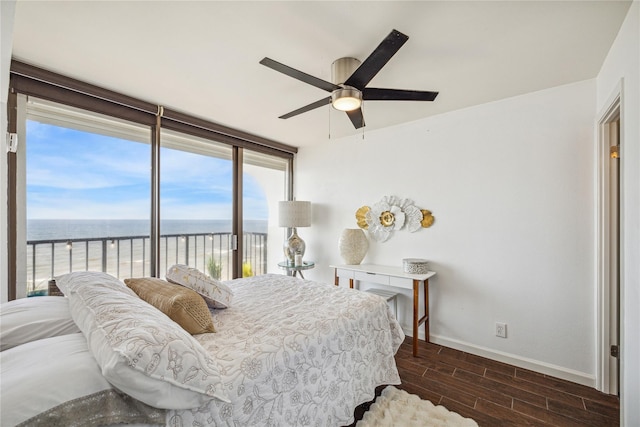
(350, 78)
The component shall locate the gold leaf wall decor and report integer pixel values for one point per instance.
(390, 214)
(361, 217)
(427, 218)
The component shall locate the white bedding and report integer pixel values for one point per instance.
(29, 319)
(295, 352)
(288, 352)
(56, 381)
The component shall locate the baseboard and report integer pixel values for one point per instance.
(512, 359)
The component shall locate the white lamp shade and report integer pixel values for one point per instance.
(294, 213)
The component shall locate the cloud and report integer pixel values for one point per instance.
(67, 159)
(80, 175)
(50, 206)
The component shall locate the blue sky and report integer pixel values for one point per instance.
(73, 174)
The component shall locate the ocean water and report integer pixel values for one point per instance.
(56, 229)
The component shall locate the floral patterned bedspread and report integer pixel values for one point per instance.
(296, 352)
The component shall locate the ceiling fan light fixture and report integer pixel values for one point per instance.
(346, 99)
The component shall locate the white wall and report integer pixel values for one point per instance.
(7, 10)
(511, 186)
(623, 62)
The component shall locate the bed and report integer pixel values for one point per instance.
(286, 351)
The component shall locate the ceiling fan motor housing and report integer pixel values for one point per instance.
(342, 68)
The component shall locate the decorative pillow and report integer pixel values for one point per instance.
(144, 353)
(29, 319)
(216, 294)
(67, 283)
(56, 382)
(182, 305)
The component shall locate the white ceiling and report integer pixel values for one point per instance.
(202, 57)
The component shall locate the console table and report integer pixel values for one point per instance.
(395, 277)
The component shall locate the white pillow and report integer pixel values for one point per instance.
(215, 293)
(143, 352)
(29, 319)
(56, 381)
(70, 281)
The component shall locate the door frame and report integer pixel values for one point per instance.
(606, 378)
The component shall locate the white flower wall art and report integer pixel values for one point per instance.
(390, 214)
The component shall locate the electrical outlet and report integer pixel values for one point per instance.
(501, 330)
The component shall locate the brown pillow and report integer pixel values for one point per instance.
(182, 305)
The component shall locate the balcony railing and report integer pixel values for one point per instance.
(129, 256)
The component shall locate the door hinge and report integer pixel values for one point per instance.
(234, 242)
(615, 352)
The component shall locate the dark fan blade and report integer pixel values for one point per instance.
(306, 108)
(378, 58)
(375, 94)
(356, 118)
(303, 77)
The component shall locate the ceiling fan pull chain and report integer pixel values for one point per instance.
(329, 109)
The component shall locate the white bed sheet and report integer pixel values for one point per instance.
(296, 352)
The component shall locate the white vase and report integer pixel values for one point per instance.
(353, 245)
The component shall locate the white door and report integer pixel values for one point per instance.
(608, 244)
(614, 254)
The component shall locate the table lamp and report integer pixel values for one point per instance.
(293, 214)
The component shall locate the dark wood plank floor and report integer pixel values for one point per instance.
(496, 394)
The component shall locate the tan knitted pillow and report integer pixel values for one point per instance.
(182, 305)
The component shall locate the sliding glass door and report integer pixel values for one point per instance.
(264, 183)
(87, 194)
(196, 204)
